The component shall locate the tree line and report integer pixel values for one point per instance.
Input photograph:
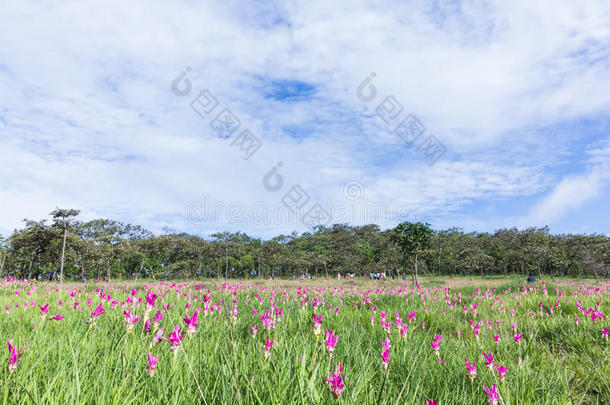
(65, 248)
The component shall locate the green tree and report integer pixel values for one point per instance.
(413, 238)
(63, 219)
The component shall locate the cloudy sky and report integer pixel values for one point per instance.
(268, 116)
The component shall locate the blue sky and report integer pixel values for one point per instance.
(516, 93)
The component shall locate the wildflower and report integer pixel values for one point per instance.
(317, 325)
(489, 360)
(95, 314)
(403, 330)
(472, 369)
(268, 323)
(331, 341)
(268, 344)
(517, 338)
(432, 401)
(147, 326)
(476, 331)
(436, 344)
(157, 320)
(385, 358)
(174, 338)
(130, 320)
(253, 330)
(151, 297)
(502, 372)
(152, 364)
(57, 317)
(605, 333)
(387, 326)
(336, 382)
(493, 394)
(43, 310)
(576, 320)
(14, 355)
(191, 323)
(497, 339)
(158, 336)
(385, 345)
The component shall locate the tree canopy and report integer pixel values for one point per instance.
(106, 249)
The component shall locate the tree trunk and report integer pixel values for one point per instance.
(199, 268)
(2, 263)
(416, 282)
(141, 268)
(226, 266)
(108, 272)
(63, 252)
(30, 267)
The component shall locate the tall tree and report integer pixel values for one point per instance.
(3, 253)
(63, 219)
(413, 238)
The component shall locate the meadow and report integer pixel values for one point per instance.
(457, 341)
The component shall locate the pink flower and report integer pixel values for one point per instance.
(493, 395)
(57, 317)
(385, 358)
(331, 341)
(191, 323)
(147, 325)
(403, 331)
(336, 382)
(502, 372)
(317, 325)
(13, 358)
(158, 336)
(152, 364)
(44, 309)
(497, 339)
(436, 344)
(489, 359)
(130, 320)
(385, 345)
(95, 314)
(517, 338)
(605, 333)
(472, 369)
(151, 297)
(174, 338)
(431, 401)
(253, 330)
(268, 344)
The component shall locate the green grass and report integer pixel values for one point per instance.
(69, 362)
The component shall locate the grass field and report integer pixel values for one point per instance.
(549, 342)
